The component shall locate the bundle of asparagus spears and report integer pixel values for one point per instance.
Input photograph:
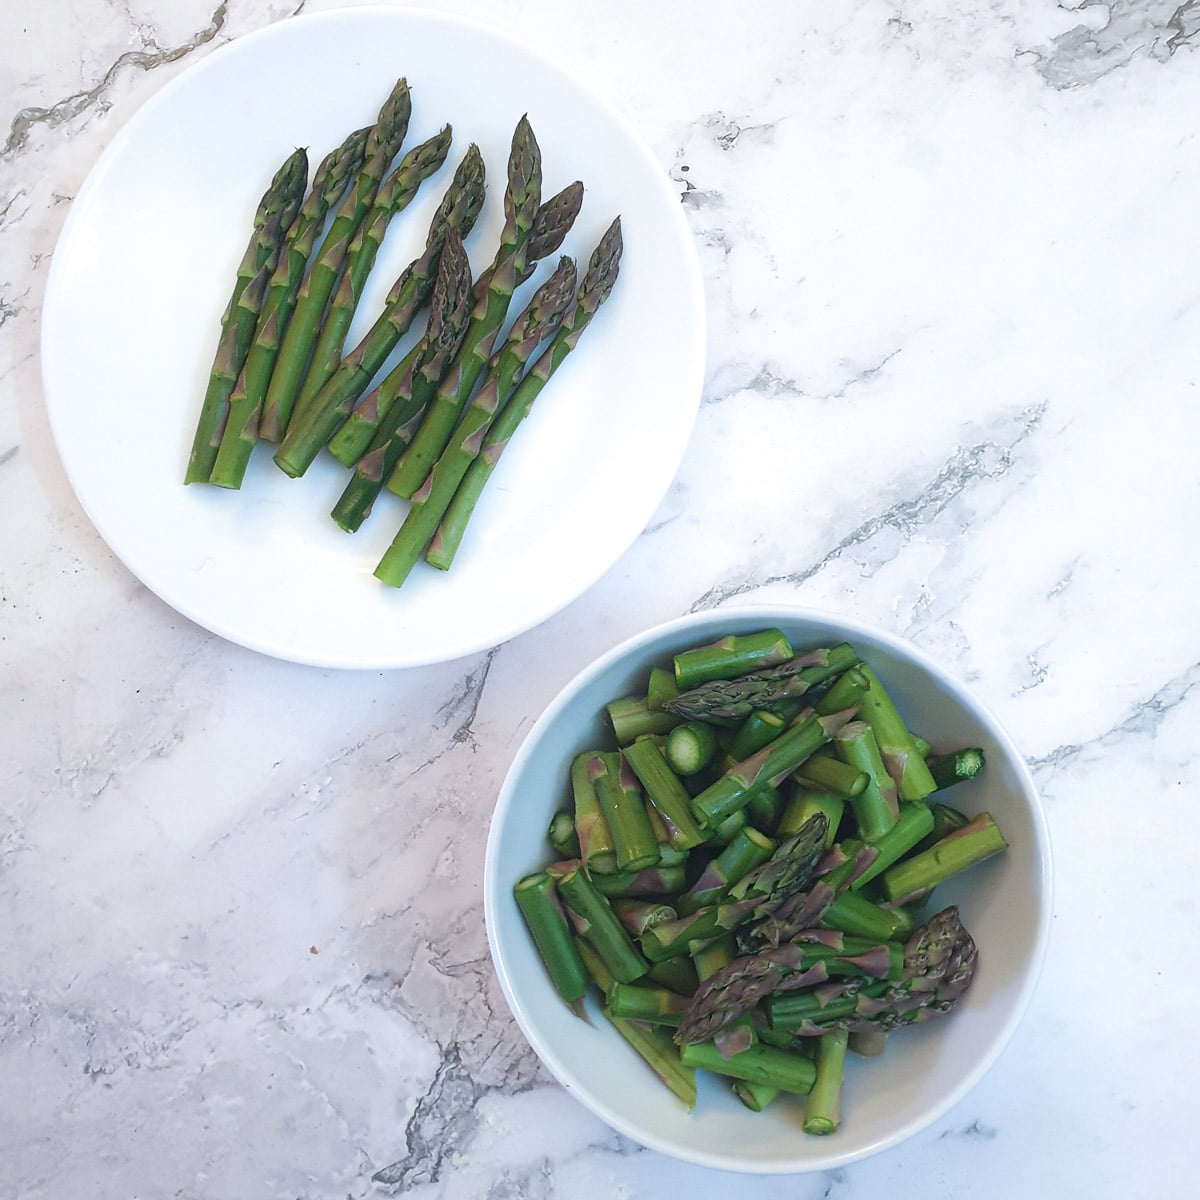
(743, 874)
(432, 427)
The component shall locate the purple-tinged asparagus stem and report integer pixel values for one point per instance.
(596, 287)
(734, 698)
(429, 502)
(332, 177)
(291, 363)
(276, 212)
(914, 878)
(521, 201)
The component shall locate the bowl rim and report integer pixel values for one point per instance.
(763, 615)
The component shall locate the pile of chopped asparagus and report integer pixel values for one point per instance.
(743, 874)
(432, 427)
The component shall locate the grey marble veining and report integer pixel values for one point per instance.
(949, 256)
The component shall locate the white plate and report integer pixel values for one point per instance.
(143, 270)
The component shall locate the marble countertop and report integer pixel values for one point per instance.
(951, 255)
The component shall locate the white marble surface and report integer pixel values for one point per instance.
(953, 283)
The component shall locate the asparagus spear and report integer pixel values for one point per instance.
(836, 872)
(429, 502)
(737, 697)
(778, 758)
(755, 895)
(597, 284)
(939, 965)
(276, 212)
(407, 389)
(318, 414)
(736, 988)
(521, 200)
(329, 184)
(383, 143)
(458, 211)
(395, 194)
(742, 854)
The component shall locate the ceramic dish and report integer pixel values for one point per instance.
(143, 270)
(1005, 903)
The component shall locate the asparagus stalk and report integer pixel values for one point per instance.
(737, 696)
(710, 957)
(631, 717)
(652, 1043)
(875, 806)
(664, 790)
(538, 902)
(562, 836)
(430, 501)
(638, 915)
(383, 143)
(760, 728)
(945, 820)
(823, 1105)
(730, 656)
(650, 881)
(407, 389)
(521, 201)
(764, 1065)
(276, 211)
(660, 688)
(852, 913)
(394, 195)
(741, 855)
(755, 1096)
(597, 284)
(904, 764)
(624, 810)
(596, 923)
(949, 769)
(661, 1055)
(829, 774)
(643, 1002)
(916, 877)
(690, 747)
(777, 759)
(591, 828)
(678, 974)
(913, 824)
(329, 184)
(318, 413)
(409, 295)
